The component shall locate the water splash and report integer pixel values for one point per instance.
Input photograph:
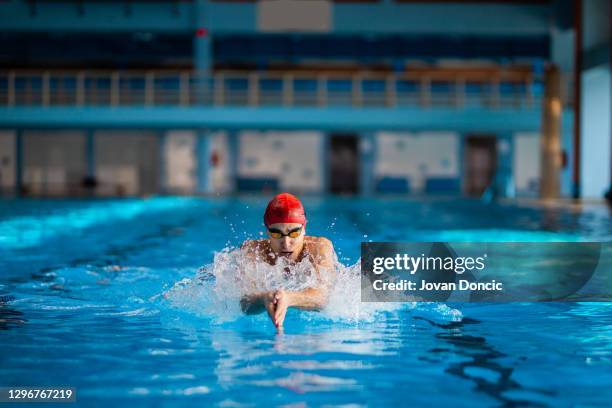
(217, 288)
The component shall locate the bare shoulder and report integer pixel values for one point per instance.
(253, 246)
(249, 243)
(320, 246)
(323, 257)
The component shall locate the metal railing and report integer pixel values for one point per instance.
(287, 89)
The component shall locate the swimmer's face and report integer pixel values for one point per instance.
(287, 239)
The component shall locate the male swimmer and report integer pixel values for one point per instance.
(285, 222)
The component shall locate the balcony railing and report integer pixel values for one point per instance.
(257, 89)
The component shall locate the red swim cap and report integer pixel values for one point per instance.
(284, 208)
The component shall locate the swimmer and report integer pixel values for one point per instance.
(285, 222)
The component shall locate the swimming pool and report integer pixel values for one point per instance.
(102, 295)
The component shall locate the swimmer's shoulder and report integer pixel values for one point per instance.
(321, 241)
(322, 254)
(254, 245)
(319, 245)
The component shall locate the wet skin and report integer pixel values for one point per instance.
(318, 250)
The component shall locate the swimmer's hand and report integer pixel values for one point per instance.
(277, 302)
(258, 302)
(282, 301)
(307, 299)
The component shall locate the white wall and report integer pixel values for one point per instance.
(127, 162)
(181, 165)
(8, 160)
(417, 156)
(53, 161)
(526, 163)
(292, 157)
(595, 133)
(181, 156)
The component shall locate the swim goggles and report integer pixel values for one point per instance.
(276, 234)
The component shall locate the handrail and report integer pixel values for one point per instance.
(275, 88)
(510, 76)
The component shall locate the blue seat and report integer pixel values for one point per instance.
(442, 185)
(393, 185)
(257, 184)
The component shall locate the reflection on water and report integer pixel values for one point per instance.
(297, 362)
(482, 365)
(10, 318)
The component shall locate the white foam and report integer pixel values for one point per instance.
(217, 288)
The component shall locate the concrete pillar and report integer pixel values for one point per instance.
(577, 102)
(7, 162)
(504, 176)
(89, 182)
(608, 195)
(367, 161)
(162, 168)
(90, 154)
(202, 49)
(562, 55)
(202, 58)
(233, 145)
(19, 162)
(203, 161)
(550, 146)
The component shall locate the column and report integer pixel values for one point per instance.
(90, 154)
(162, 168)
(367, 160)
(202, 47)
(504, 176)
(233, 144)
(203, 161)
(18, 162)
(550, 146)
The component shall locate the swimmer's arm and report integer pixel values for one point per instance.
(308, 299)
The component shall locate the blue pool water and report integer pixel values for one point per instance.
(106, 296)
